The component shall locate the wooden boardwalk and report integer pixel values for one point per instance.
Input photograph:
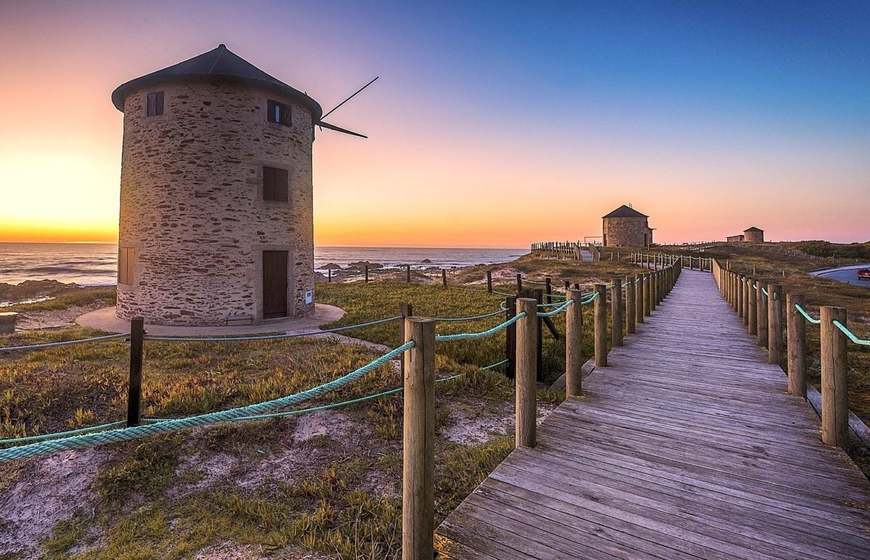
(687, 447)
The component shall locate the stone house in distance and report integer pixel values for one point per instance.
(216, 215)
(626, 227)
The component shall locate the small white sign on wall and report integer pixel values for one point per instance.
(309, 297)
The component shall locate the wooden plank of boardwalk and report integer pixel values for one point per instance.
(687, 447)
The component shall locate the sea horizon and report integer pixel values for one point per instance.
(95, 263)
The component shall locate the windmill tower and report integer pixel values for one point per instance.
(216, 215)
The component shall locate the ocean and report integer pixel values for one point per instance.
(94, 264)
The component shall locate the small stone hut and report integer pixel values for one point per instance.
(749, 235)
(216, 215)
(626, 227)
(753, 235)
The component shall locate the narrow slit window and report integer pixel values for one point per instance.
(278, 113)
(154, 104)
(126, 265)
(276, 184)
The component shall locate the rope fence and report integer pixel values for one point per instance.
(779, 323)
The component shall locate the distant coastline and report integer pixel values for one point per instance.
(94, 264)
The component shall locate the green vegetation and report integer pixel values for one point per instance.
(174, 495)
(69, 297)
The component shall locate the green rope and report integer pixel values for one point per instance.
(558, 310)
(269, 336)
(482, 334)
(850, 334)
(55, 435)
(339, 404)
(126, 434)
(62, 343)
(470, 318)
(806, 315)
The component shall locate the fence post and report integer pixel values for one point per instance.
(510, 342)
(134, 387)
(526, 379)
(539, 335)
(405, 311)
(616, 313)
(489, 281)
(835, 404)
(600, 326)
(328, 275)
(751, 294)
(741, 302)
(796, 346)
(647, 292)
(418, 431)
(761, 336)
(519, 283)
(548, 288)
(653, 291)
(638, 297)
(630, 312)
(444, 277)
(774, 324)
(746, 284)
(574, 345)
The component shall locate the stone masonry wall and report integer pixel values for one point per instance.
(626, 232)
(193, 210)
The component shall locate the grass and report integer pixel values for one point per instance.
(98, 296)
(141, 509)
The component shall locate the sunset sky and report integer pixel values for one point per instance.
(492, 124)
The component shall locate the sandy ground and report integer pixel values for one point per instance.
(52, 319)
(47, 491)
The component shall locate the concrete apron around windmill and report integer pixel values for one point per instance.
(216, 213)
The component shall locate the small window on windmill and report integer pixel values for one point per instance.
(278, 113)
(154, 104)
(126, 265)
(276, 184)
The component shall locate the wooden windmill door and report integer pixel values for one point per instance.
(274, 284)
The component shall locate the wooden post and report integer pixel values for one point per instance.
(600, 325)
(405, 311)
(774, 324)
(519, 283)
(752, 314)
(489, 281)
(834, 358)
(653, 291)
(741, 304)
(367, 273)
(539, 336)
(418, 438)
(761, 304)
(574, 345)
(616, 313)
(328, 275)
(526, 385)
(444, 277)
(630, 311)
(647, 293)
(134, 387)
(638, 297)
(510, 342)
(548, 288)
(746, 283)
(796, 346)
(408, 273)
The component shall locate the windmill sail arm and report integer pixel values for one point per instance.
(339, 129)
